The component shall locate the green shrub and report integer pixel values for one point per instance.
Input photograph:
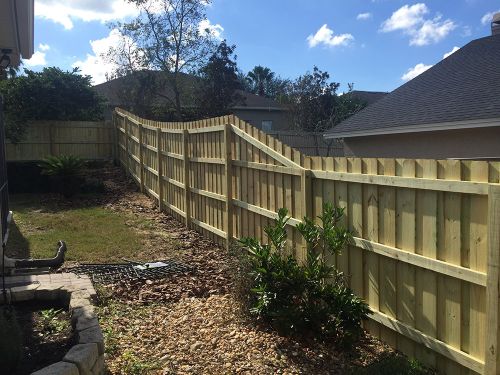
(10, 340)
(309, 296)
(65, 172)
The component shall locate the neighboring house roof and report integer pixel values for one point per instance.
(368, 97)
(252, 101)
(17, 29)
(461, 91)
(112, 90)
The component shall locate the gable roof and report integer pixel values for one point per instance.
(113, 91)
(460, 89)
(369, 97)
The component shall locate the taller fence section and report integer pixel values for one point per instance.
(426, 244)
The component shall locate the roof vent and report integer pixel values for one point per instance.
(495, 24)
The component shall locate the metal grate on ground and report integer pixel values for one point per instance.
(114, 272)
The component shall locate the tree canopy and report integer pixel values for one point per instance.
(218, 91)
(52, 94)
(166, 36)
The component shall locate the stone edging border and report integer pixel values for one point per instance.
(87, 356)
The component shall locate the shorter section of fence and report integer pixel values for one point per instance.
(426, 249)
(86, 139)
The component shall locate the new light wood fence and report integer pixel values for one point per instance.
(427, 242)
(86, 139)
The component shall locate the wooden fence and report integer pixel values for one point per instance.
(427, 232)
(89, 140)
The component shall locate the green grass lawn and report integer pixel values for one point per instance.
(92, 234)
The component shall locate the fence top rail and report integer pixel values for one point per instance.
(456, 186)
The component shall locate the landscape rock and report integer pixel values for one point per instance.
(83, 356)
(92, 335)
(23, 293)
(59, 368)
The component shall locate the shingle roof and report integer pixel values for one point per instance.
(113, 91)
(464, 86)
(369, 97)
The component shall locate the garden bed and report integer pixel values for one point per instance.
(189, 323)
(46, 335)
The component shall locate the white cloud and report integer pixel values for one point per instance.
(420, 68)
(43, 47)
(214, 30)
(38, 59)
(95, 64)
(415, 71)
(364, 16)
(405, 18)
(432, 31)
(488, 17)
(65, 12)
(455, 49)
(326, 37)
(411, 20)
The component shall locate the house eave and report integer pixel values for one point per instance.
(16, 29)
(453, 125)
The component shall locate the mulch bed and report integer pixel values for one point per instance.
(44, 342)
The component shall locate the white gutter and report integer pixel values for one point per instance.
(452, 125)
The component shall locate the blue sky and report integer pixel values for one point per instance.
(376, 44)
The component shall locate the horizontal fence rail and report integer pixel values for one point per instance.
(86, 139)
(426, 245)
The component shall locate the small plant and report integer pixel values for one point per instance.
(51, 322)
(65, 171)
(135, 366)
(305, 297)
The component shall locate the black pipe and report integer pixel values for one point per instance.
(55, 262)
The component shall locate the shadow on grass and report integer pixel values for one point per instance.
(17, 245)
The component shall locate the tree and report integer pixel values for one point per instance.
(51, 94)
(311, 101)
(219, 82)
(314, 104)
(260, 78)
(166, 36)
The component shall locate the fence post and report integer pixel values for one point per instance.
(228, 184)
(160, 169)
(141, 160)
(305, 189)
(491, 354)
(51, 139)
(116, 149)
(127, 147)
(185, 150)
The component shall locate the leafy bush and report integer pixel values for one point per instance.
(65, 171)
(10, 340)
(310, 296)
(52, 94)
